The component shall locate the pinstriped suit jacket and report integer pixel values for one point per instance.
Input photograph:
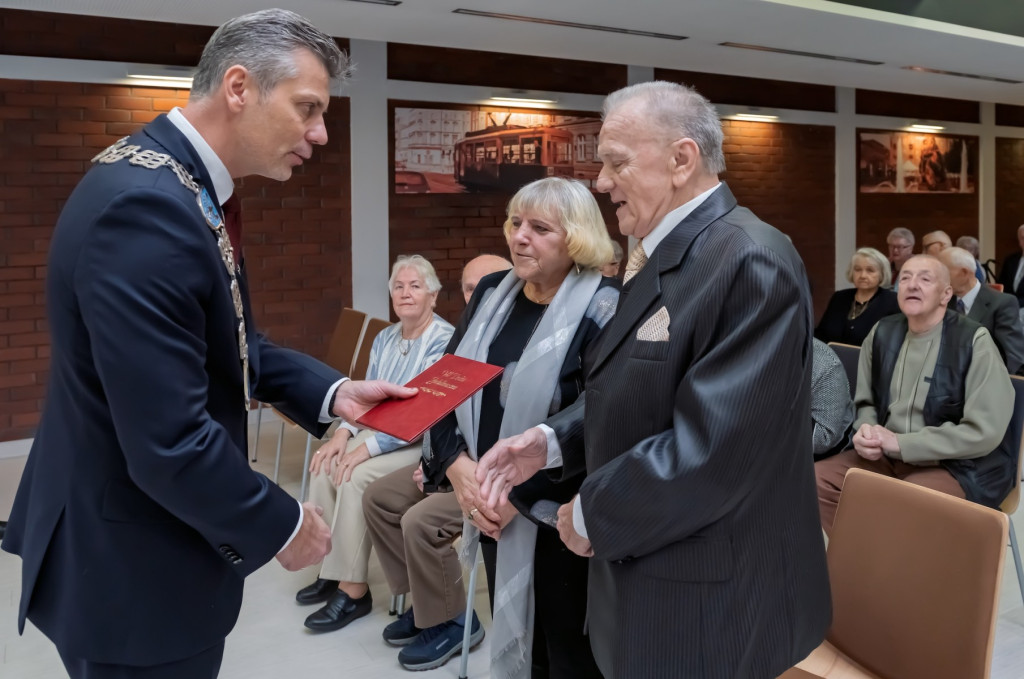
(700, 498)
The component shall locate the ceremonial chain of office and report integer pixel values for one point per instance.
(153, 160)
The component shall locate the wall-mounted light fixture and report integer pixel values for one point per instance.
(754, 117)
(922, 127)
(175, 76)
(524, 100)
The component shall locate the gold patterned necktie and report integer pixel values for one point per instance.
(636, 261)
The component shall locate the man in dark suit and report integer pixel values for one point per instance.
(997, 311)
(699, 508)
(1011, 273)
(138, 517)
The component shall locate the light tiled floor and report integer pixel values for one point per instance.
(270, 641)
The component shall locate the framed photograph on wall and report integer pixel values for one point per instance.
(441, 150)
(916, 162)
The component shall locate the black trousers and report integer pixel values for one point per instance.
(204, 665)
(560, 648)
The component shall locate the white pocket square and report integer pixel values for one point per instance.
(655, 328)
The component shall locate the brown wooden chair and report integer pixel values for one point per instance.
(849, 356)
(1012, 501)
(915, 584)
(998, 287)
(341, 351)
(362, 362)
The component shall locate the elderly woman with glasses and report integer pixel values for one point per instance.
(535, 321)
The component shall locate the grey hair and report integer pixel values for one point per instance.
(900, 232)
(959, 258)
(678, 111)
(969, 243)
(264, 43)
(876, 258)
(420, 265)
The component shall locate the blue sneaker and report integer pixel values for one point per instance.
(403, 631)
(435, 645)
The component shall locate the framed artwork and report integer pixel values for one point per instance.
(916, 162)
(458, 150)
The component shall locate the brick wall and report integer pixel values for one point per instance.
(1009, 197)
(786, 175)
(297, 235)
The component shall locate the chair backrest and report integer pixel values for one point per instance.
(373, 328)
(915, 579)
(341, 350)
(1016, 432)
(849, 354)
(998, 287)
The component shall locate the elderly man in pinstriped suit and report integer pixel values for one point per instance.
(699, 506)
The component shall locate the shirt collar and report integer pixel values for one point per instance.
(970, 296)
(223, 184)
(669, 221)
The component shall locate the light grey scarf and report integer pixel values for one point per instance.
(530, 394)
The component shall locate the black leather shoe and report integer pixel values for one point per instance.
(339, 611)
(317, 593)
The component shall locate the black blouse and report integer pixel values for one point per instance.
(836, 327)
(446, 441)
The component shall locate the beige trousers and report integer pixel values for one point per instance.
(413, 535)
(349, 558)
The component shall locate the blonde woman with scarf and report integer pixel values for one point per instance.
(536, 321)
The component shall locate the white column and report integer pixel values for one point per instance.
(368, 105)
(846, 182)
(987, 182)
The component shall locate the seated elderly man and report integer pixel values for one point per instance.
(477, 268)
(933, 400)
(997, 311)
(935, 242)
(970, 243)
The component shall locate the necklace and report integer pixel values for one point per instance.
(404, 345)
(540, 300)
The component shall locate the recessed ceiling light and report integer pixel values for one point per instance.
(569, 24)
(990, 78)
(798, 53)
(921, 127)
(389, 3)
(754, 117)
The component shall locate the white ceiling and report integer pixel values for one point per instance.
(805, 25)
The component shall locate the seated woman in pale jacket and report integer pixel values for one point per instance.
(351, 459)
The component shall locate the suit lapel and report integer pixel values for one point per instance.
(645, 289)
(167, 135)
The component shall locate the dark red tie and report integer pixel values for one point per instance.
(233, 224)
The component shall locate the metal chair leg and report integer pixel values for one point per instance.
(468, 629)
(392, 607)
(259, 421)
(1016, 557)
(305, 469)
(400, 605)
(277, 460)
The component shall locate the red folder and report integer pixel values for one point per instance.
(443, 387)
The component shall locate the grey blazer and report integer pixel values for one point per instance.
(998, 311)
(700, 498)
